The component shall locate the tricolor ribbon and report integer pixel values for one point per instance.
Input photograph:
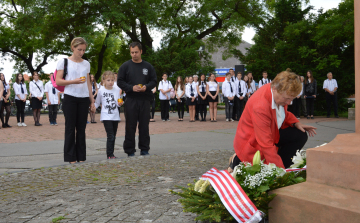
(233, 196)
(295, 169)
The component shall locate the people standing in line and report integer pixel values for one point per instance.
(180, 97)
(152, 102)
(212, 90)
(53, 100)
(296, 104)
(191, 94)
(264, 80)
(77, 97)
(252, 82)
(330, 86)
(6, 103)
(164, 87)
(241, 91)
(20, 99)
(109, 98)
(36, 89)
(132, 73)
(303, 100)
(186, 82)
(202, 97)
(228, 90)
(196, 81)
(94, 91)
(310, 93)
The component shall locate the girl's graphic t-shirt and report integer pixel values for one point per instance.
(109, 104)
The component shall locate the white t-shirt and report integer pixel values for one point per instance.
(53, 98)
(109, 104)
(76, 70)
(164, 85)
(212, 85)
(34, 90)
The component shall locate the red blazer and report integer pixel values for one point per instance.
(257, 128)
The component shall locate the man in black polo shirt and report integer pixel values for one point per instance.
(137, 77)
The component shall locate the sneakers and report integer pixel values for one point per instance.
(231, 120)
(55, 123)
(144, 153)
(19, 124)
(131, 154)
(23, 124)
(51, 123)
(112, 157)
(227, 119)
(168, 120)
(163, 120)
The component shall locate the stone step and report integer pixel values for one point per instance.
(337, 163)
(315, 203)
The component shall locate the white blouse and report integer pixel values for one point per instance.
(212, 85)
(74, 71)
(188, 90)
(34, 90)
(109, 104)
(203, 84)
(17, 90)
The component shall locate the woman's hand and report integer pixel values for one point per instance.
(308, 128)
(314, 96)
(192, 99)
(78, 81)
(304, 96)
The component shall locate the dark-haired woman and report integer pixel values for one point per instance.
(36, 89)
(202, 98)
(212, 89)
(20, 99)
(180, 97)
(310, 94)
(6, 103)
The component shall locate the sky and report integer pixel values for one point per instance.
(247, 36)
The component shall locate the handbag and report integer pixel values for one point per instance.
(172, 102)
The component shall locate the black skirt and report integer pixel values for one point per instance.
(189, 102)
(210, 98)
(201, 101)
(36, 103)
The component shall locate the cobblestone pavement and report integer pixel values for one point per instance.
(128, 190)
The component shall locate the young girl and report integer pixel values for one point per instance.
(186, 81)
(108, 97)
(20, 98)
(249, 90)
(53, 100)
(252, 82)
(212, 89)
(165, 87)
(191, 96)
(36, 89)
(77, 97)
(202, 101)
(6, 103)
(94, 93)
(180, 97)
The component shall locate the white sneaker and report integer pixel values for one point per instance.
(19, 124)
(168, 120)
(231, 120)
(227, 119)
(23, 124)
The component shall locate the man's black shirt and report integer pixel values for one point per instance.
(131, 74)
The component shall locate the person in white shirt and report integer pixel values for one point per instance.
(264, 80)
(330, 86)
(53, 100)
(36, 89)
(77, 97)
(241, 91)
(249, 89)
(20, 99)
(296, 103)
(6, 103)
(196, 81)
(109, 98)
(165, 87)
(180, 97)
(229, 91)
(191, 95)
(202, 97)
(252, 82)
(212, 90)
(94, 90)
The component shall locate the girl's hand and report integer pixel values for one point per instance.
(78, 81)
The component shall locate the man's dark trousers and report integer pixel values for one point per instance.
(137, 110)
(331, 98)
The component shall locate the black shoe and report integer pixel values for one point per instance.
(144, 153)
(8, 126)
(312, 117)
(4, 126)
(131, 154)
(308, 117)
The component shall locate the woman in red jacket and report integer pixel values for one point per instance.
(267, 126)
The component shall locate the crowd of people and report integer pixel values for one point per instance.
(134, 87)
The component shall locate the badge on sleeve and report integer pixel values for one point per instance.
(145, 71)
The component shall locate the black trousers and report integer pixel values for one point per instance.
(111, 130)
(20, 106)
(53, 113)
(137, 110)
(291, 140)
(197, 110)
(164, 106)
(239, 107)
(152, 109)
(310, 106)
(228, 108)
(296, 107)
(331, 98)
(180, 107)
(75, 112)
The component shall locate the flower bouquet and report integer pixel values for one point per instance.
(256, 180)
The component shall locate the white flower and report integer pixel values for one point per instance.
(204, 186)
(198, 185)
(297, 160)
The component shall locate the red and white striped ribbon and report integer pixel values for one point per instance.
(295, 169)
(233, 196)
